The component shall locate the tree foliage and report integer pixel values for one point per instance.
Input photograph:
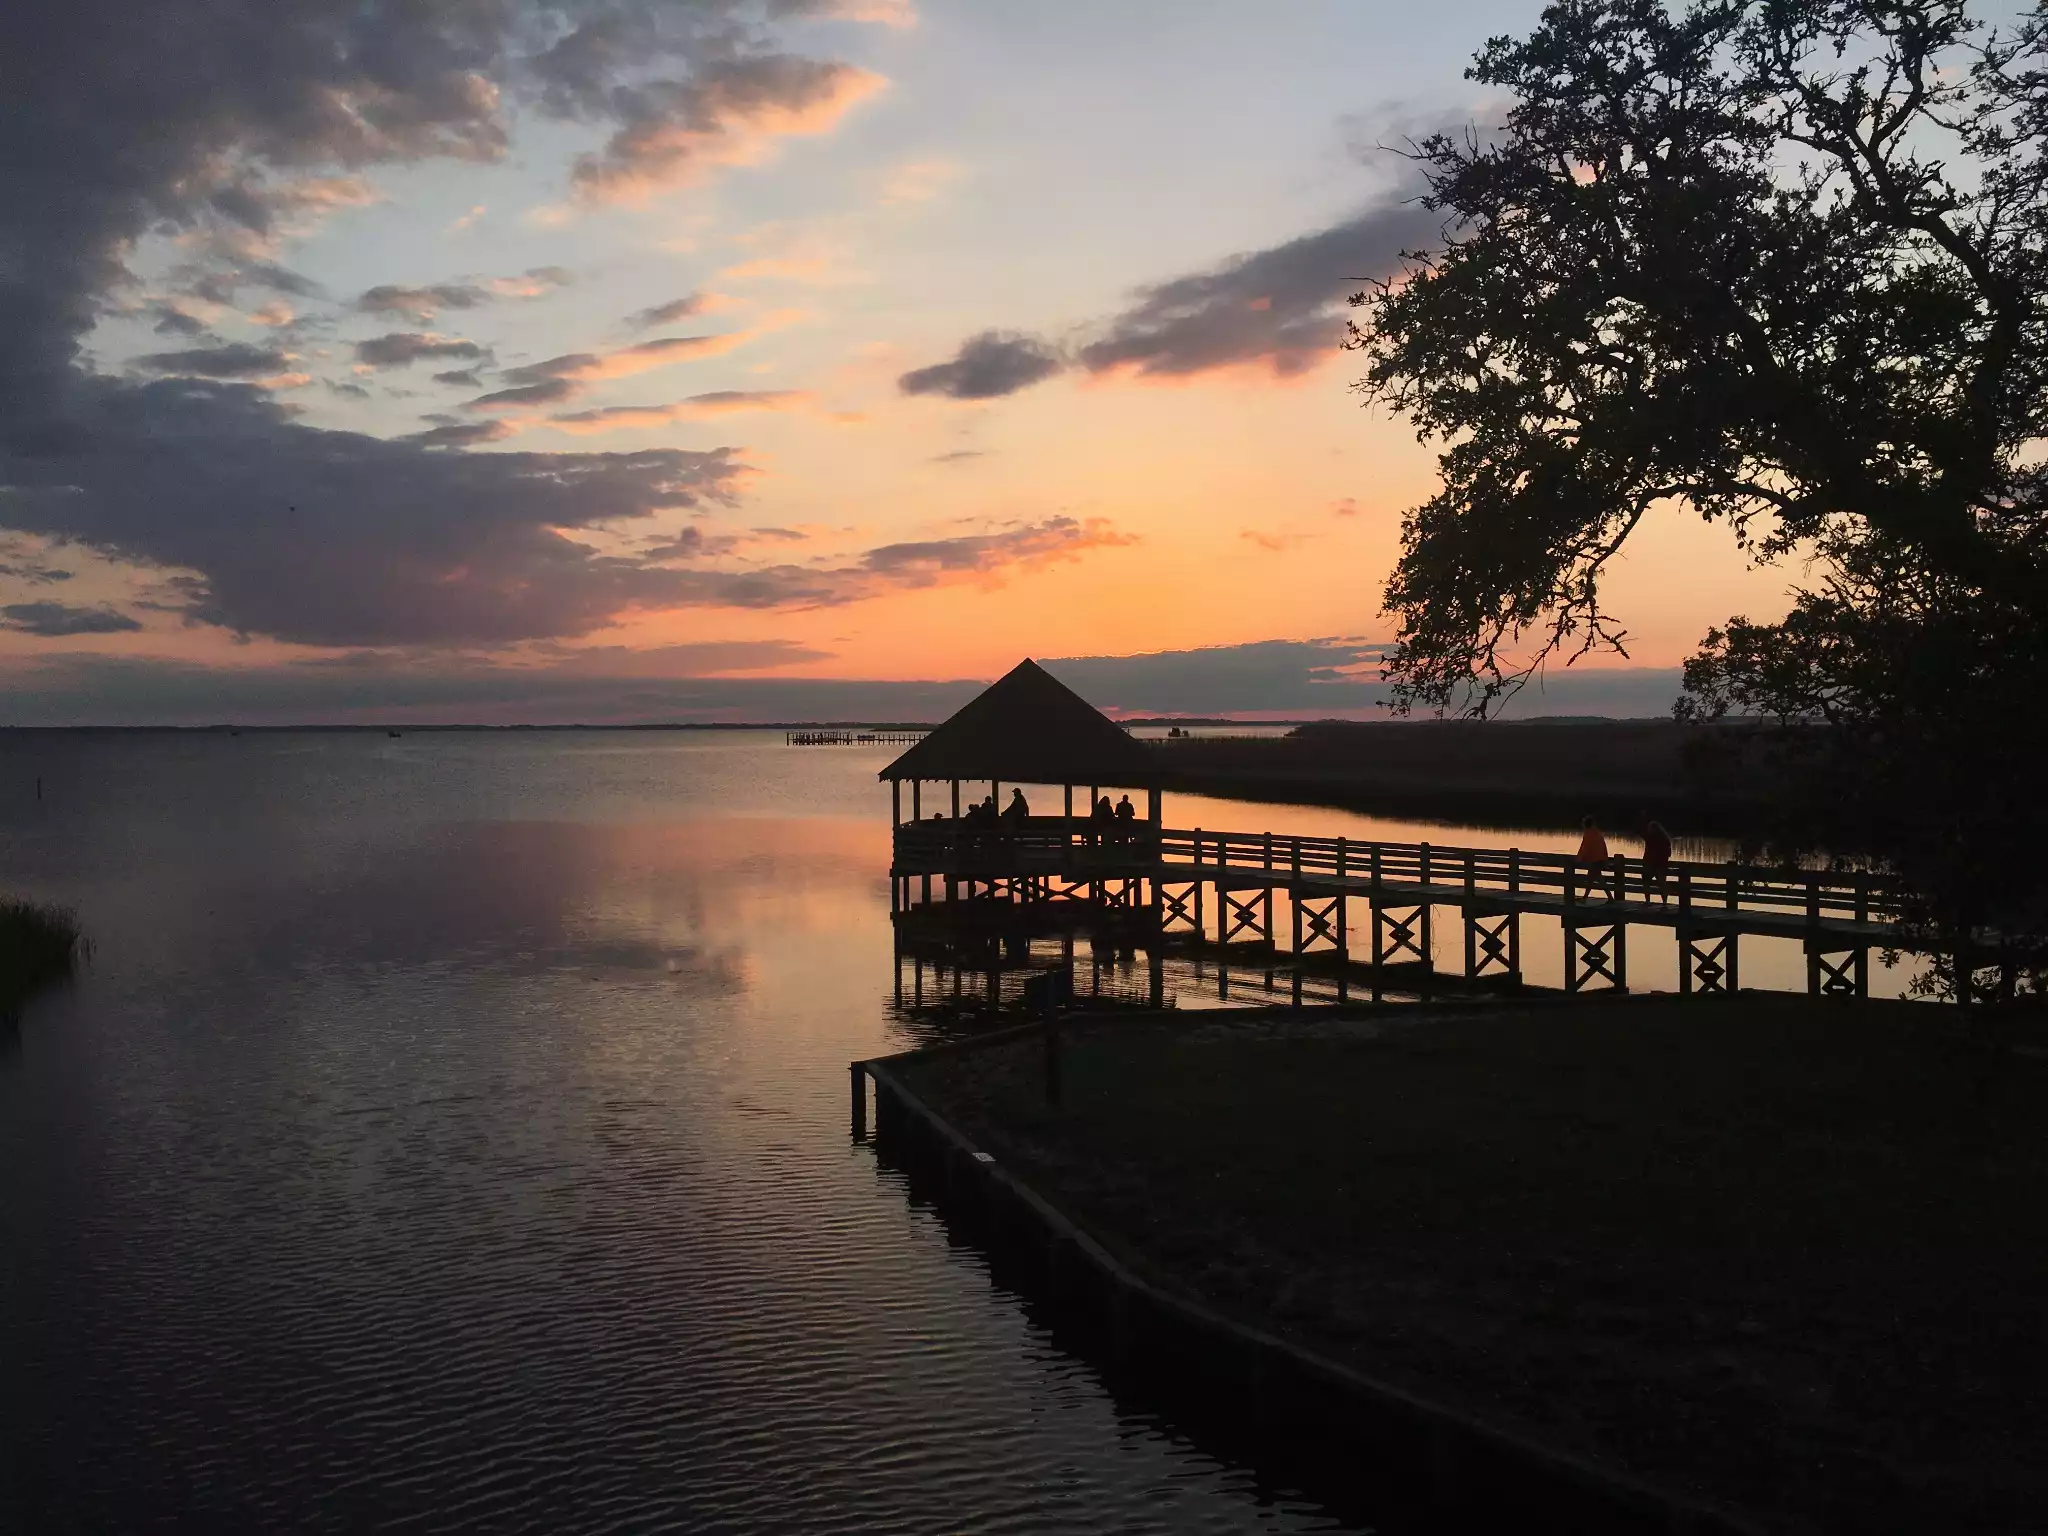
(1782, 264)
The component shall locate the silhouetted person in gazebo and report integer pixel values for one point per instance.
(1104, 831)
(1016, 813)
(1126, 821)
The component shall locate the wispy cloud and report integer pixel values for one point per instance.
(704, 407)
(60, 620)
(986, 367)
(728, 113)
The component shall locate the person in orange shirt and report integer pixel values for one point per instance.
(1593, 853)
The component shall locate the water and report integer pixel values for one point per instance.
(451, 1133)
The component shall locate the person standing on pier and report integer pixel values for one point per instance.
(1126, 821)
(1105, 822)
(1593, 854)
(1018, 811)
(1656, 859)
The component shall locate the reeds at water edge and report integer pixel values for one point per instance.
(40, 945)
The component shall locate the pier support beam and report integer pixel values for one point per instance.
(1595, 953)
(1493, 944)
(1706, 964)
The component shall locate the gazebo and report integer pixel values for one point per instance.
(1027, 727)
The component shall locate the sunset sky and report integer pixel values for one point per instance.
(497, 360)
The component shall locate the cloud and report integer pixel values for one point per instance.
(959, 456)
(1346, 506)
(468, 378)
(558, 379)
(721, 402)
(60, 619)
(237, 360)
(526, 397)
(676, 309)
(1273, 541)
(978, 559)
(404, 302)
(338, 538)
(461, 434)
(398, 348)
(987, 366)
(212, 127)
(727, 113)
(1277, 309)
(598, 684)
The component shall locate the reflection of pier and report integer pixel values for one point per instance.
(970, 896)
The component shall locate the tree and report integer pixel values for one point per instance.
(1780, 263)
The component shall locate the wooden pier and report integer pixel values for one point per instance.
(1218, 887)
(1362, 912)
(837, 738)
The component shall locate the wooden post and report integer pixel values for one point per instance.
(956, 799)
(1684, 933)
(917, 799)
(1372, 914)
(895, 802)
(1294, 907)
(1343, 937)
(1812, 934)
(1052, 1044)
(1570, 925)
(860, 1102)
(1862, 917)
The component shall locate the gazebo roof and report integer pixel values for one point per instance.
(1028, 727)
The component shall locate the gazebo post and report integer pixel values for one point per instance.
(895, 802)
(956, 799)
(917, 799)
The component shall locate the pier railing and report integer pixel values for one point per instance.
(1457, 874)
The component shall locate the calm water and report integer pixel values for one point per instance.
(451, 1132)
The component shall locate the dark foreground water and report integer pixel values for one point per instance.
(451, 1134)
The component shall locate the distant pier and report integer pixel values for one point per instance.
(851, 738)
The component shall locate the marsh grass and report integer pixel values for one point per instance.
(40, 945)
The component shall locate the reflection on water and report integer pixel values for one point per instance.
(455, 1125)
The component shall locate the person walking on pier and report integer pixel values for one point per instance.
(1593, 854)
(1656, 859)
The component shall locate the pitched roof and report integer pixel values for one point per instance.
(1028, 727)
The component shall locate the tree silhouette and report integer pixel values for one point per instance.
(1779, 263)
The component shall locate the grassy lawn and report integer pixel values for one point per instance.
(1791, 1257)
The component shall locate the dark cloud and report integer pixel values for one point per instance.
(1310, 678)
(166, 320)
(466, 378)
(398, 348)
(336, 538)
(987, 366)
(611, 684)
(218, 124)
(959, 455)
(1277, 308)
(58, 619)
(33, 572)
(237, 360)
(420, 303)
(526, 396)
(348, 391)
(597, 685)
(459, 434)
(666, 314)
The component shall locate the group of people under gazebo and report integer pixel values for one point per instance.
(1106, 825)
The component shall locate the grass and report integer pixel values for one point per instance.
(1788, 1257)
(39, 947)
